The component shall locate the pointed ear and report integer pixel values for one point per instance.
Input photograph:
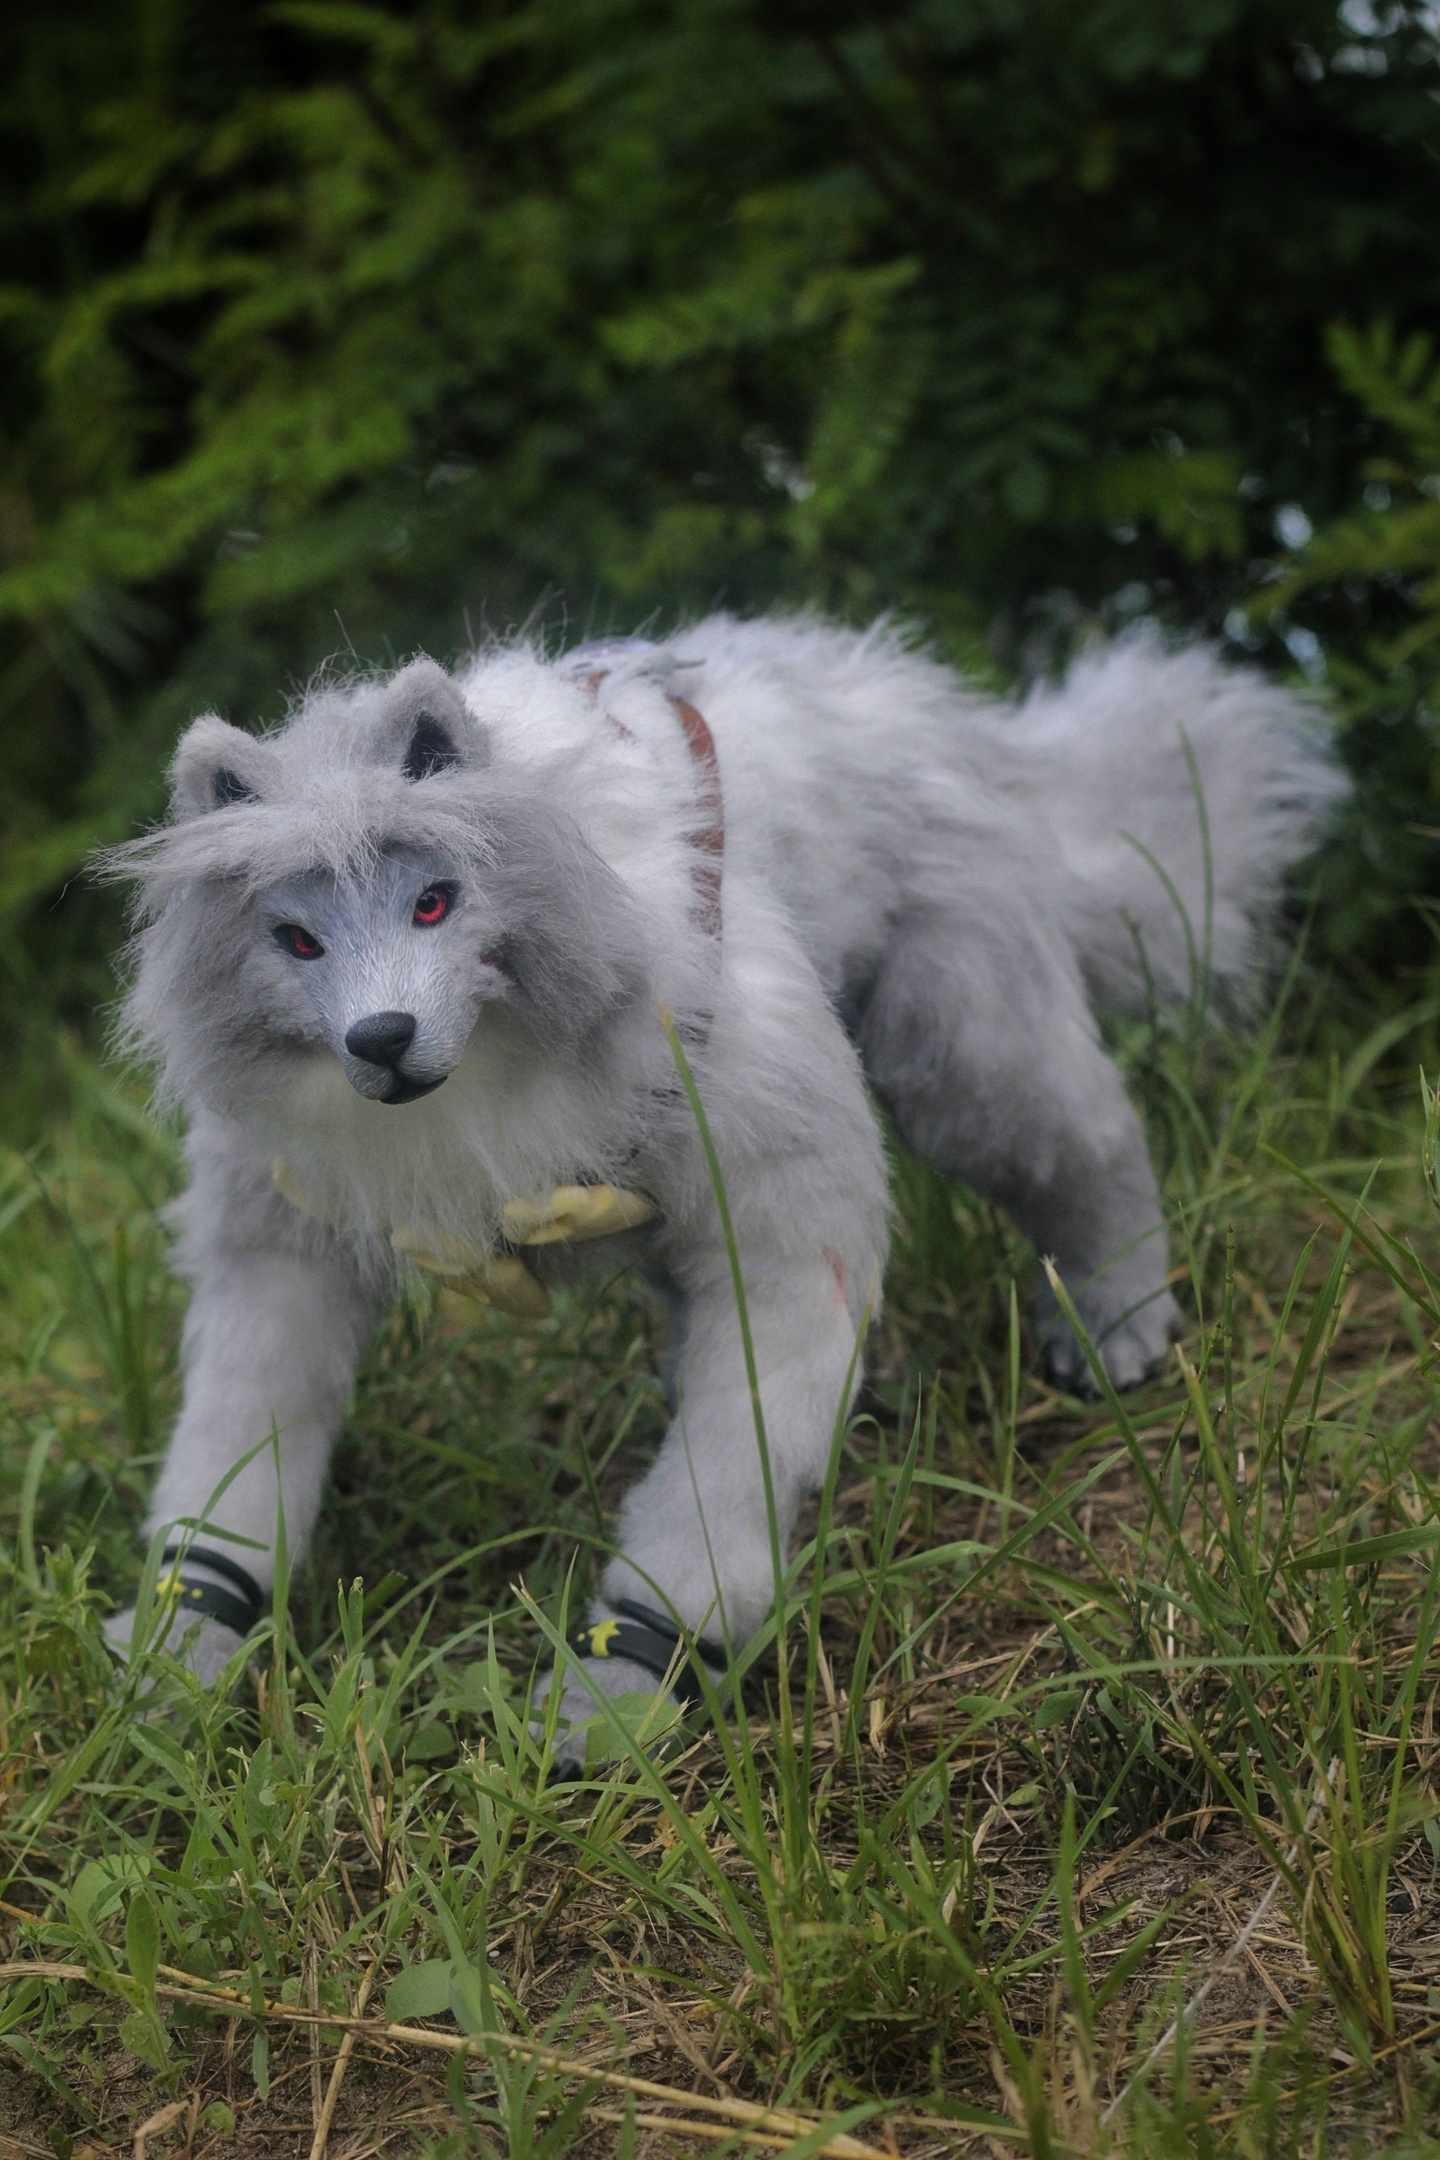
(427, 728)
(217, 766)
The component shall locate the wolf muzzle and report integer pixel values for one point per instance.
(381, 1040)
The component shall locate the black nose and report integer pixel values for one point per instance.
(381, 1038)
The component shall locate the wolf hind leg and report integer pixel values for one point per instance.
(979, 1038)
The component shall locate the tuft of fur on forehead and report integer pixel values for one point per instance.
(360, 770)
(358, 766)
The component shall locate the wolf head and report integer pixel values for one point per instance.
(368, 882)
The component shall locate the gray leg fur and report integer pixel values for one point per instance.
(980, 1039)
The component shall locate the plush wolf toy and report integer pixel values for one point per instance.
(471, 896)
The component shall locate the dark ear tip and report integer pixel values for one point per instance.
(226, 786)
(430, 749)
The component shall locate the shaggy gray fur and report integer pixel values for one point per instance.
(923, 889)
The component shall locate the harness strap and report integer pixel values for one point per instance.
(651, 1640)
(708, 840)
(194, 1596)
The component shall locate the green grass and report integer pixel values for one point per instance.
(1084, 1802)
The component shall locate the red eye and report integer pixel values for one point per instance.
(432, 906)
(299, 942)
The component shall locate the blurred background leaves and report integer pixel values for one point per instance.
(340, 330)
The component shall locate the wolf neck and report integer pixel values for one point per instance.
(507, 1124)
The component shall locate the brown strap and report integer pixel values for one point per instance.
(708, 839)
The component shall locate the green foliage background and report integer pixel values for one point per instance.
(336, 329)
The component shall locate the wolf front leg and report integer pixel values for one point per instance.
(700, 1536)
(279, 1314)
(702, 1529)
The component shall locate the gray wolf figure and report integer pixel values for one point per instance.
(471, 894)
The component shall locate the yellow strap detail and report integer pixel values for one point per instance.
(300, 1196)
(602, 1634)
(569, 1215)
(170, 1585)
(573, 1213)
(498, 1279)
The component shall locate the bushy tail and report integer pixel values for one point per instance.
(1180, 790)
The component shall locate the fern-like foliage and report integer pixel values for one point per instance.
(362, 325)
(1369, 584)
